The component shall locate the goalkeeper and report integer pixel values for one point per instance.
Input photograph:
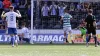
(83, 31)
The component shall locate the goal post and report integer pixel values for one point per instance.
(32, 5)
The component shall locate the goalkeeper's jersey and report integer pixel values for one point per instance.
(66, 20)
(83, 30)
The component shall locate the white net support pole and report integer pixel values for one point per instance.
(32, 5)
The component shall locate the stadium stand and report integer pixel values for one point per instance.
(78, 10)
(51, 21)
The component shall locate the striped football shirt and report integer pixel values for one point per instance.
(66, 20)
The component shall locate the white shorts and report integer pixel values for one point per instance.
(67, 29)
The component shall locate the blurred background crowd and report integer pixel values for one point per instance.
(47, 14)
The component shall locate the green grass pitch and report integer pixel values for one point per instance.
(49, 50)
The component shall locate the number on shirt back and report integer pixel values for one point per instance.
(11, 18)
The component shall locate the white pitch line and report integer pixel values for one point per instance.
(84, 55)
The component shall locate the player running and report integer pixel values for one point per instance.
(90, 22)
(11, 23)
(66, 25)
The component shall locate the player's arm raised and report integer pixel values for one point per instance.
(3, 15)
(18, 14)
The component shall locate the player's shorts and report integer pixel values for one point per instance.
(67, 29)
(91, 30)
(12, 31)
(24, 39)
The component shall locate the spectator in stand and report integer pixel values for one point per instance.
(53, 14)
(15, 5)
(61, 9)
(6, 4)
(22, 5)
(24, 1)
(82, 5)
(45, 11)
(72, 7)
(78, 6)
(53, 9)
(86, 5)
(17, 2)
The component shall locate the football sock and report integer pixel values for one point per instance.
(95, 38)
(12, 41)
(88, 39)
